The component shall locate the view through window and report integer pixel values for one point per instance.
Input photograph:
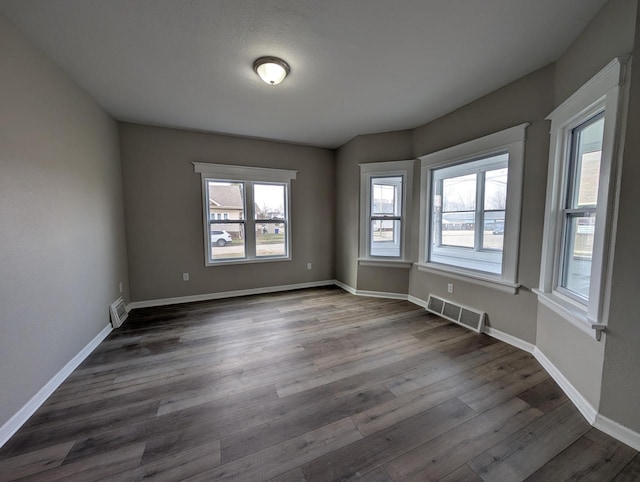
(271, 219)
(580, 207)
(468, 214)
(386, 216)
(237, 207)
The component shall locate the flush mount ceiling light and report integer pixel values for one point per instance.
(271, 69)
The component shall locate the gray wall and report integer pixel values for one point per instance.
(163, 197)
(61, 212)
(529, 99)
(610, 34)
(347, 213)
(579, 357)
(621, 379)
(385, 146)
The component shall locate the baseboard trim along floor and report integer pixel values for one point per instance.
(590, 413)
(21, 416)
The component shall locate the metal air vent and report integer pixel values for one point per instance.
(118, 312)
(462, 315)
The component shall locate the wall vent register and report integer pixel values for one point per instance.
(470, 318)
(118, 311)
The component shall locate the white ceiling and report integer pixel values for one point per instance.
(357, 66)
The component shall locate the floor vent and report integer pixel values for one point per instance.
(118, 312)
(462, 315)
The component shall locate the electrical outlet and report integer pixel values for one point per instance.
(185, 276)
(308, 265)
(450, 288)
(120, 286)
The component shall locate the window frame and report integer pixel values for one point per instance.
(510, 141)
(369, 172)
(604, 95)
(249, 176)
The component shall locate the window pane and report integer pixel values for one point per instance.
(271, 239)
(578, 252)
(270, 201)
(458, 220)
(495, 189)
(226, 199)
(386, 196)
(385, 238)
(459, 193)
(493, 234)
(227, 240)
(587, 152)
(458, 229)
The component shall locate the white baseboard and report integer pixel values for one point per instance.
(608, 426)
(12, 425)
(382, 294)
(345, 287)
(588, 411)
(417, 301)
(617, 431)
(601, 422)
(497, 334)
(510, 339)
(226, 294)
(371, 294)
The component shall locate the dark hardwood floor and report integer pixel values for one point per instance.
(314, 385)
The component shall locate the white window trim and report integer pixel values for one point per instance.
(475, 278)
(510, 140)
(226, 172)
(604, 92)
(376, 169)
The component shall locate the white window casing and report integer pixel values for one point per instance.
(468, 157)
(248, 176)
(602, 95)
(369, 172)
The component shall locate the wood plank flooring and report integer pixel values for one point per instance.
(309, 385)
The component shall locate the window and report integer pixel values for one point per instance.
(386, 216)
(246, 213)
(580, 199)
(470, 216)
(385, 189)
(579, 211)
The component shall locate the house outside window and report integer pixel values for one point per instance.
(470, 209)
(385, 207)
(581, 198)
(246, 213)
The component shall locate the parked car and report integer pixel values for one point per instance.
(499, 228)
(221, 238)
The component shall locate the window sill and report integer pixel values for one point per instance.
(572, 313)
(475, 278)
(385, 263)
(209, 264)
